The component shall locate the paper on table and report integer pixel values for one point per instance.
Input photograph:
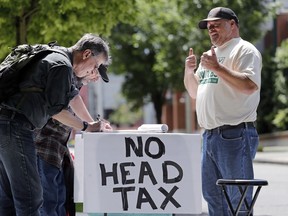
(162, 128)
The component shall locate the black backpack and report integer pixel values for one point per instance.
(14, 64)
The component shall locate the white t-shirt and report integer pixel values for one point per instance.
(219, 104)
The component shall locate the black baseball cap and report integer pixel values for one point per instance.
(216, 14)
(103, 72)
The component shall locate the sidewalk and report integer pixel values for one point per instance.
(273, 154)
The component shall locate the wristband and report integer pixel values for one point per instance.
(85, 126)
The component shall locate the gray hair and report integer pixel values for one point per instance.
(95, 43)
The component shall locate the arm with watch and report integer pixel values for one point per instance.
(82, 119)
(99, 125)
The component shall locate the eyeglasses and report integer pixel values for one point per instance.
(213, 26)
(217, 24)
(97, 65)
(96, 70)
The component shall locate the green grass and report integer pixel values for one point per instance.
(79, 207)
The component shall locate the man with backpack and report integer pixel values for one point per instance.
(45, 90)
(55, 164)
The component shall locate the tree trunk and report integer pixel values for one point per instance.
(21, 31)
(22, 22)
(158, 102)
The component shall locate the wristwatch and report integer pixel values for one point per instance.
(85, 126)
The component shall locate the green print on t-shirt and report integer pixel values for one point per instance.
(207, 76)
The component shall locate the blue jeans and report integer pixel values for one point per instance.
(227, 154)
(54, 190)
(20, 187)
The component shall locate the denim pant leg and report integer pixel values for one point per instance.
(227, 154)
(54, 190)
(20, 187)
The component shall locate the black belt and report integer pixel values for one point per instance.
(241, 125)
(13, 115)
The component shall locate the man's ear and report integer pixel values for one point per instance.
(86, 54)
(233, 23)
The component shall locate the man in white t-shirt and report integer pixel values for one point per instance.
(226, 86)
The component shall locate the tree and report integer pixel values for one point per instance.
(267, 108)
(280, 113)
(125, 117)
(151, 53)
(42, 21)
(271, 110)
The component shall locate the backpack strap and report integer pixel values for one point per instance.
(31, 89)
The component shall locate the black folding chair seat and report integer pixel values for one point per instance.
(243, 185)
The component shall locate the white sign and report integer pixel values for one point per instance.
(140, 173)
(79, 169)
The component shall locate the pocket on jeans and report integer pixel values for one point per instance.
(232, 134)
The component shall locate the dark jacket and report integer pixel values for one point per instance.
(50, 88)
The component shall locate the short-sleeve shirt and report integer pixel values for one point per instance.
(218, 103)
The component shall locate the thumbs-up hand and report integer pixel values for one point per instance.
(209, 60)
(191, 61)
